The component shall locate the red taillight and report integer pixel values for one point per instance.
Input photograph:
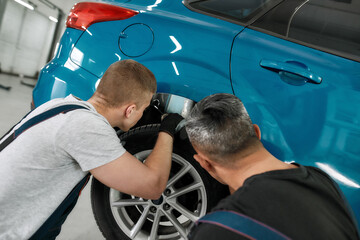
(83, 14)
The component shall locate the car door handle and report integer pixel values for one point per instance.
(292, 67)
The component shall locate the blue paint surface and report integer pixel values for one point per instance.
(305, 101)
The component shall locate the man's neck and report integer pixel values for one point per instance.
(99, 107)
(256, 163)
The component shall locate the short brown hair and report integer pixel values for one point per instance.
(125, 81)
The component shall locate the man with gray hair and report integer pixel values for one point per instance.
(268, 195)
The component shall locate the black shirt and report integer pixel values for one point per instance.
(302, 203)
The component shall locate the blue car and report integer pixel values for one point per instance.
(294, 63)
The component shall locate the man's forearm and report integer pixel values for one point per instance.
(159, 161)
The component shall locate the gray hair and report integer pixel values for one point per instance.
(219, 126)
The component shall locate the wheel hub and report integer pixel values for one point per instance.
(158, 201)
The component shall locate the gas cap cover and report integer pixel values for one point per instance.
(135, 40)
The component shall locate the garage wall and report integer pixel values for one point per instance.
(2, 10)
(25, 40)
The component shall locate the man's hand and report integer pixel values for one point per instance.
(169, 123)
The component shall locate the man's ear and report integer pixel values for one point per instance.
(257, 131)
(129, 110)
(204, 162)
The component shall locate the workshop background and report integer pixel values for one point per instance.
(312, 117)
(29, 33)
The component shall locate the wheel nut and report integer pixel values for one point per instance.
(166, 206)
(167, 192)
(152, 209)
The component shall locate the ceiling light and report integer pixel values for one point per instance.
(25, 4)
(53, 19)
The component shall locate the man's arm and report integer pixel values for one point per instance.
(127, 174)
(147, 180)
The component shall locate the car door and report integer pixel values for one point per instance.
(297, 70)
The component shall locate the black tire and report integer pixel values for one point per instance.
(173, 213)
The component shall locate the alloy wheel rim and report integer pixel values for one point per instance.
(170, 216)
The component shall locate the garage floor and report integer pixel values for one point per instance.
(14, 104)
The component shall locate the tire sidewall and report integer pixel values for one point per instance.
(135, 141)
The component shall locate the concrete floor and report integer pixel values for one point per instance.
(14, 104)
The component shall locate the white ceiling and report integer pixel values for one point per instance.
(47, 9)
(64, 5)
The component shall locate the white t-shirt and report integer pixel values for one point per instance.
(40, 168)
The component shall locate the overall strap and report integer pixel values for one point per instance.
(242, 225)
(37, 119)
(51, 228)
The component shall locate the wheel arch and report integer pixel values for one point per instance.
(162, 103)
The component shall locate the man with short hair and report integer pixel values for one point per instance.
(41, 167)
(289, 200)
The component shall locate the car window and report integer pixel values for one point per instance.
(239, 11)
(332, 25)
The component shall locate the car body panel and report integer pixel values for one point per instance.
(194, 55)
(312, 124)
(168, 56)
(61, 77)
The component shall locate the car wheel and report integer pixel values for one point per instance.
(190, 193)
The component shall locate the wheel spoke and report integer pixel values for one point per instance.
(178, 175)
(133, 215)
(185, 190)
(189, 214)
(176, 224)
(128, 202)
(155, 225)
(137, 227)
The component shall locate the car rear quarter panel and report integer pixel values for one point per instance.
(187, 58)
(61, 77)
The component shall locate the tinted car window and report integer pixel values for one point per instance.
(330, 24)
(236, 10)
